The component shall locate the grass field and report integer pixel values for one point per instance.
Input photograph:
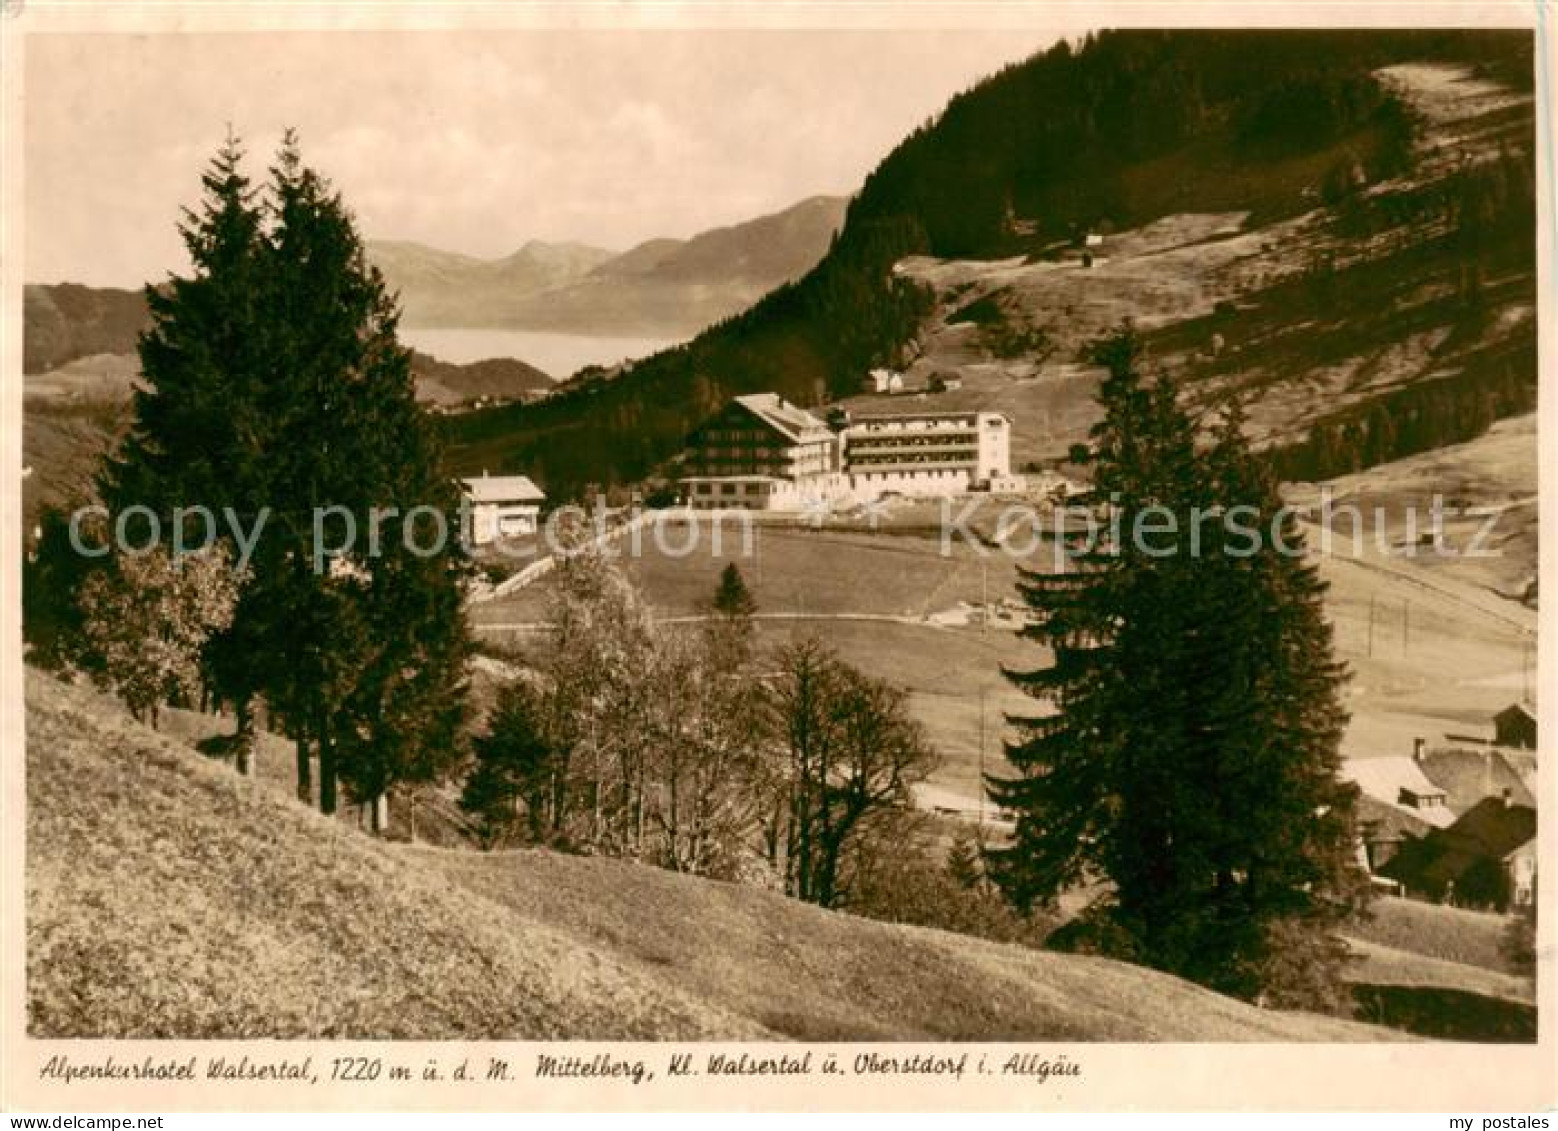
(1450, 934)
(892, 604)
(1430, 651)
(791, 568)
(1433, 642)
(1494, 475)
(168, 897)
(1390, 966)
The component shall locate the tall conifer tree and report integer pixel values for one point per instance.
(276, 385)
(1188, 753)
(200, 436)
(378, 679)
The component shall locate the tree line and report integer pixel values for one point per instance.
(1406, 421)
(693, 749)
(272, 383)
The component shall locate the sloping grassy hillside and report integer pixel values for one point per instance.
(168, 897)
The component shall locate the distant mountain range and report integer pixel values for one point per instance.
(440, 288)
(660, 288)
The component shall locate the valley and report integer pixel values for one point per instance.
(585, 809)
(1435, 643)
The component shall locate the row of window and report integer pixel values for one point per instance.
(857, 452)
(940, 430)
(911, 461)
(888, 476)
(738, 435)
(776, 455)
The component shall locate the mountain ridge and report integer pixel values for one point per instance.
(661, 287)
(1336, 150)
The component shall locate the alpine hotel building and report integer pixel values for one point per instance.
(761, 452)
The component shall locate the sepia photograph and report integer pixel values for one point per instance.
(859, 543)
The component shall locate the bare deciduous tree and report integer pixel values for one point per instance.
(848, 755)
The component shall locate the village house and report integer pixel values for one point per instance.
(1515, 726)
(502, 506)
(884, 381)
(1455, 822)
(1485, 859)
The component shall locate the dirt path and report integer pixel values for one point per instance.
(888, 618)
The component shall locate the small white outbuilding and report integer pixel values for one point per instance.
(503, 506)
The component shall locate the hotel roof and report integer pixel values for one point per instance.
(888, 417)
(793, 420)
(1386, 778)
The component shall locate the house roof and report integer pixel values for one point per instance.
(1469, 775)
(1379, 822)
(1384, 779)
(792, 420)
(503, 489)
(1490, 831)
(1494, 827)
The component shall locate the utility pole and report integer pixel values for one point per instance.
(984, 622)
(981, 765)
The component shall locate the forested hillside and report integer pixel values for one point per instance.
(1111, 133)
(68, 321)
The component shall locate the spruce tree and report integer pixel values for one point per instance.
(516, 765)
(1187, 755)
(276, 385)
(731, 628)
(200, 435)
(195, 438)
(732, 598)
(375, 638)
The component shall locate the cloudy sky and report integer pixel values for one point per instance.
(475, 142)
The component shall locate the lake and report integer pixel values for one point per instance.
(558, 355)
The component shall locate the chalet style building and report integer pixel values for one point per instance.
(761, 452)
(1486, 859)
(1455, 823)
(502, 506)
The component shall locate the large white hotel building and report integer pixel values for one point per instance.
(761, 452)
